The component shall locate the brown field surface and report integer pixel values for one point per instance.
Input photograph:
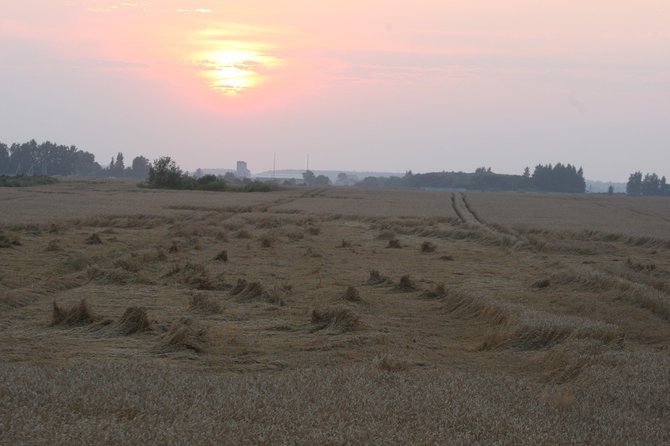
(332, 316)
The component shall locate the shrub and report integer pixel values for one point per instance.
(164, 173)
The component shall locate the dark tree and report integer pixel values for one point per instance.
(634, 185)
(4, 159)
(85, 165)
(309, 178)
(322, 180)
(140, 167)
(649, 185)
(164, 173)
(559, 178)
(119, 162)
(342, 179)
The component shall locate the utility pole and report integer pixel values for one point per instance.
(308, 161)
(274, 166)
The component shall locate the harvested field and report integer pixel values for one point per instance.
(287, 318)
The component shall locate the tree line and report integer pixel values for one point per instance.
(48, 158)
(545, 178)
(164, 173)
(648, 185)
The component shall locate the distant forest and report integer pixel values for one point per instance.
(47, 158)
(545, 178)
(647, 185)
(44, 159)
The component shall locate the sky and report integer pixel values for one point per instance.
(372, 85)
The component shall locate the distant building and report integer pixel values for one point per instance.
(242, 170)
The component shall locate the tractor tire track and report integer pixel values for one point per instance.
(468, 216)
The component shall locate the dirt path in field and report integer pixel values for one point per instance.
(468, 216)
(463, 210)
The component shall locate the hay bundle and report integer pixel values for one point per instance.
(394, 243)
(202, 303)
(376, 278)
(406, 284)
(54, 246)
(336, 320)
(428, 247)
(240, 286)
(186, 334)
(79, 314)
(94, 239)
(134, 320)
(352, 295)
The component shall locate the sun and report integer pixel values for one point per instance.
(233, 72)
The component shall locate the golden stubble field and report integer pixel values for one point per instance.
(332, 316)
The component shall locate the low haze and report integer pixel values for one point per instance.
(373, 85)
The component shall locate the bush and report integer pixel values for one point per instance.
(25, 181)
(164, 173)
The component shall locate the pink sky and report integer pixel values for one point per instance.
(365, 85)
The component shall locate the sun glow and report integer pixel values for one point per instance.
(234, 71)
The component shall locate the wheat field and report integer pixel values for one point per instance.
(331, 316)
